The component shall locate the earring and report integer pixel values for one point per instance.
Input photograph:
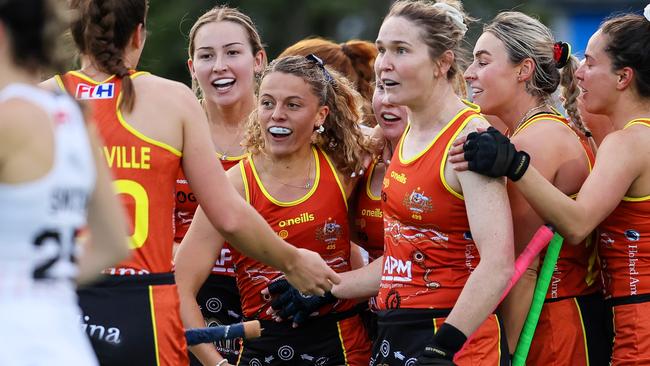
(320, 129)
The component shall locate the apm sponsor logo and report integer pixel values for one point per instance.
(101, 91)
(397, 270)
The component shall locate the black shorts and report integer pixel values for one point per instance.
(402, 335)
(328, 340)
(369, 318)
(220, 304)
(134, 320)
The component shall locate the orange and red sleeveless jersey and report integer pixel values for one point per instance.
(318, 221)
(144, 172)
(428, 249)
(625, 245)
(576, 272)
(368, 218)
(186, 205)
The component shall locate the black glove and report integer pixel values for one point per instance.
(291, 303)
(446, 342)
(491, 153)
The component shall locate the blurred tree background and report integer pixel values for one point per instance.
(283, 22)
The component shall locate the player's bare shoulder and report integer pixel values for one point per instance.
(169, 95)
(476, 123)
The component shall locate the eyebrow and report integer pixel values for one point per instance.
(287, 98)
(232, 44)
(394, 43)
(481, 53)
(224, 46)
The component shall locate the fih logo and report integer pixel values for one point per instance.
(101, 91)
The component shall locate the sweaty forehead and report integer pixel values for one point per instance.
(282, 85)
(219, 34)
(399, 30)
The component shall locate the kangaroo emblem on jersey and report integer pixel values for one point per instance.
(418, 203)
(329, 233)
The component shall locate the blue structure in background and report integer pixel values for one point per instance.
(579, 19)
(582, 26)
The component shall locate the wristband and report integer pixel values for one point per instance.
(519, 166)
(450, 338)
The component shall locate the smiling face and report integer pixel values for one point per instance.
(288, 113)
(223, 63)
(491, 76)
(596, 79)
(391, 118)
(403, 64)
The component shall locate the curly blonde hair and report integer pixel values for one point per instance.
(342, 138)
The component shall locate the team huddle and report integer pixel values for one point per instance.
(348, 196)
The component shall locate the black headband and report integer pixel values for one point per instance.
(315, 59)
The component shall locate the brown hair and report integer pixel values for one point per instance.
(354, 59)
(628, 45)
(224, 13)
(34, 27)
(440, 29)
(102, 32)
(525, 37)
(342, 138)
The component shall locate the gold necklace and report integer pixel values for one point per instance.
(225, 152)
(308, 182)
(531, 112)
(237, 140)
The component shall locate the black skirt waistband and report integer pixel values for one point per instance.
(626, 300)
(134, 280)
(594, 294)
(411, 315)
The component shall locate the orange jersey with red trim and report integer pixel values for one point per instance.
(428, 249)
(625, 245)
(318, 221)
(369, 218)
(576, 272)
(186, 205)
(144, 172)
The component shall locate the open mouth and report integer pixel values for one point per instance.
(279, 132)
(389, 83)
(223, 84)
(476, 91)
(390, 117)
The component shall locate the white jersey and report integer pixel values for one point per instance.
(38, 225)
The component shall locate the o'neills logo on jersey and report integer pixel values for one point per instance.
(396, 270)
(304, 217)
(372, 213)
(101, 91)
(400, 177)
